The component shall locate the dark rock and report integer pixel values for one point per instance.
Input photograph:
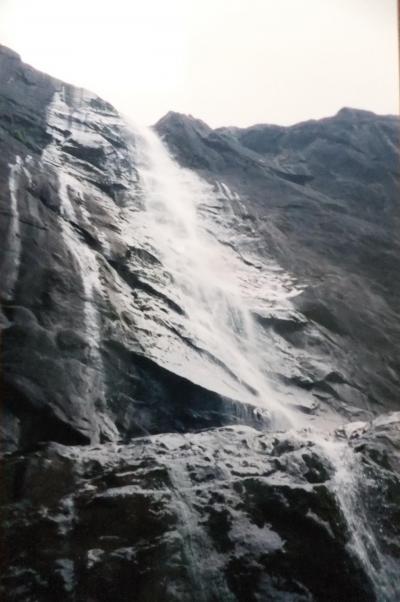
(81, 148)
(66, 343)
(228, 514)
(334, 224)
(101, 359)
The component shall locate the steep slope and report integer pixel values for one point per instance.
(324, 197)
(95, 343)
(192, 359)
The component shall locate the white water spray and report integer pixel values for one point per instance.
(349, 486)
(222, 322)
(199, 266)
(14, 234)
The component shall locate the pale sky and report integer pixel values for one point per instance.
(228, 62)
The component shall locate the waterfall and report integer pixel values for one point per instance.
(222, 322)
(202, 274)
(349, 482)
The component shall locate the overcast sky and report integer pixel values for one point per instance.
(228, 62)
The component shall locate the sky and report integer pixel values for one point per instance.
(228, 62)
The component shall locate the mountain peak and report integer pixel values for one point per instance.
(5, 51)
(173, 118)
(352, 113)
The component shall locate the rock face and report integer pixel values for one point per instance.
(199, 355)
(225, 514)
(324, 195)
(82, 297)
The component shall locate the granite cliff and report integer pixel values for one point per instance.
(199, 353)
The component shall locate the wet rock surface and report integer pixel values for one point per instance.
(108, 373)
(322, 198)
(92, 339)
(98, 342)
(226, 514)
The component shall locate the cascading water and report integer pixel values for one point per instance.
(141, 298)
(349, 482)
(221, 321)
(14, 242)
(198, 264)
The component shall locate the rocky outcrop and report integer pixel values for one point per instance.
(173, 391)
(226, 514)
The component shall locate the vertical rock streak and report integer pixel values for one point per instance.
(349, 486)
(84, 257)
(205, 568)
(13, 250)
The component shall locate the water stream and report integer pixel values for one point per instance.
(201, 271)
(222, 322)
